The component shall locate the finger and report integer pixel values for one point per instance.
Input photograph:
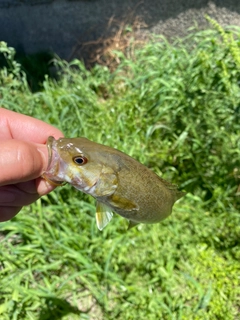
(7, 213)
(38, 186)
(21, 161)
(43, 186)
(17, 126)
(15, 197)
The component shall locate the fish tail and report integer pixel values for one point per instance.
(179, 194)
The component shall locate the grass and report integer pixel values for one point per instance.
(174, 107)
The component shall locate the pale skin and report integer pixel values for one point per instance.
(23, 159)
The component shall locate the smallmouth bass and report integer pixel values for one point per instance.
(118, 182)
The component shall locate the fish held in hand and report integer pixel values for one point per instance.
(118, 182)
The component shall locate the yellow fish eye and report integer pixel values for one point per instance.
(80, 160)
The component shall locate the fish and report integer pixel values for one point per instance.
(119, 183)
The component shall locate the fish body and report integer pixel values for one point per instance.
(118, 182)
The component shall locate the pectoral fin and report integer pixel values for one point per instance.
(103, 215)
(122, 203)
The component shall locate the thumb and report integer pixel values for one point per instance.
(21, 161)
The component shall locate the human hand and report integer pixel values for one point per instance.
(23, 159)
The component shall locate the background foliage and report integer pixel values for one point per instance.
(174, 107)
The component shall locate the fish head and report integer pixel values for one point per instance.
(74, 161)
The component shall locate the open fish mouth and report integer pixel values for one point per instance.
(52, 173)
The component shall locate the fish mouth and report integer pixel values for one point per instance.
(53, 167)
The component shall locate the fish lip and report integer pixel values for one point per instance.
(49, 143)
(53, 159)
(52, 152)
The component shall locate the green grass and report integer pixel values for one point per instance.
(174, 107)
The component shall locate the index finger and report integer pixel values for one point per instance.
(17, 126)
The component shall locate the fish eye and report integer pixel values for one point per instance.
(80, 160)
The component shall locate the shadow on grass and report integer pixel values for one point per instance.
(36, 67)
(56, 309)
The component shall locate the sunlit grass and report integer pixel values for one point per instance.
(174, 107)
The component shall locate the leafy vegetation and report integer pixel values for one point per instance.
(174, 107)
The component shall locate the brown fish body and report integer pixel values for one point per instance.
(118, 182)
(152, 197)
